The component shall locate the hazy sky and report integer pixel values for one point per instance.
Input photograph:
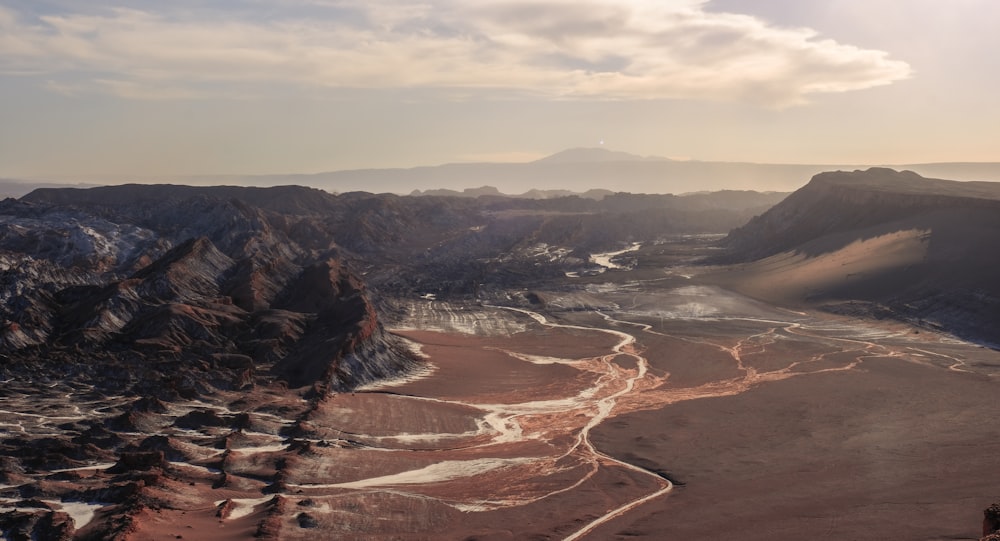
(151, 88)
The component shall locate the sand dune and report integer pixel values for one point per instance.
(861, 269)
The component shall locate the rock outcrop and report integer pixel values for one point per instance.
(991, 523)
(175, 291)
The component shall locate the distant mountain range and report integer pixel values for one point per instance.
(17, 188)
(577, 170)
(491, 191)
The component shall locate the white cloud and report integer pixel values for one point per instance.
(561, 49)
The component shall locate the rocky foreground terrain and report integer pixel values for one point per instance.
(157, 335)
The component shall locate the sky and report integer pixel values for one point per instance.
(150, 89)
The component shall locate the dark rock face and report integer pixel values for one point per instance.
(41, 523)
(174, 292)
(306, 520)
(139, 461)
(991, 521)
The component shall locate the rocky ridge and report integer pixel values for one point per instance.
(949, 286)
(184, 279)
(270, 274)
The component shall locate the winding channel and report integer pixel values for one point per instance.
(528, 423)
(605, 406)
(505, 448)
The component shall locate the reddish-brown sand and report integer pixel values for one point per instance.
(779, 426)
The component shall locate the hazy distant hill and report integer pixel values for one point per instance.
(596, 194)
(588, 172)
(575, 170)
(921, 249)
(597, 155)
(581, 169)
(17, 188)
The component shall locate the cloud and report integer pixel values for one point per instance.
(554, 49)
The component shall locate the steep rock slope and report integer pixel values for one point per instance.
(838, 202)
(176, 291)
(909, 247)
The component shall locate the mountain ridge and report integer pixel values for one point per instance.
(575, 170)
(596, 154)
(879, 242)
(598, 169)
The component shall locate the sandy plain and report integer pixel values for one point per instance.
(679, 411)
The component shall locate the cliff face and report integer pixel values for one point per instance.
(840, 202)
(174, 296)
(913, 248)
